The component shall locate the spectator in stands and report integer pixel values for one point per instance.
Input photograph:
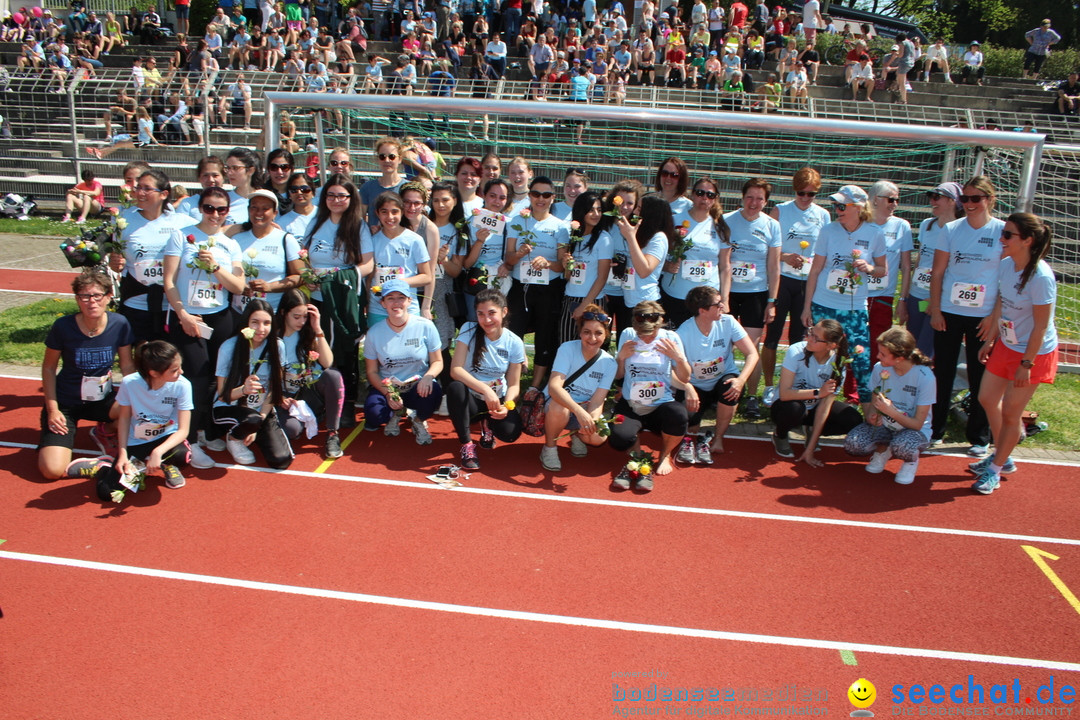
(123, 141)
(112, 36)
(151, 25)
(238, 48)
(236, 99)
(973, 65)
(173, 126)
(1068, 99)
(275, 51)
(60, 67)
(1039, 41)
(737, 15)
(122, 111)
(754, 53)
(152, 79)
(937, 55)
(905, 64)
(33, 54)
(495, 52)
(862, 76)
(810, 58)
(214, 41)
(86, 197)
(796, 83)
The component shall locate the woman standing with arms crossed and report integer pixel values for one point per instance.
(963, 292)
(1024, 353)
(944, 208)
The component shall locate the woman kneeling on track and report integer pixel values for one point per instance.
(809, 380)
(1025, 352)
(403, 356)
(86, 343)
(155, 417)
(309, 374)
(488, 362)
(581, 376)
(904, 393)
(710, 338)
(648, 358)
(250, 386)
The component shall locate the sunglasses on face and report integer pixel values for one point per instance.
(840, 207)
(282, 166)
(387, 156)
(891, 200)
(215, 209)
(305, 189)
(973, 198)
(537, 194)
(598, 317)
(705, 194)
(934, 196)
(1009, 234)
(806, 193)
(339, 163)
(670, 174)
(648, 317)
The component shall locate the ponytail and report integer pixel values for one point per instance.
(1032, 226)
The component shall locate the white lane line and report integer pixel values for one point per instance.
(570, 620)
(33, 292)
(637, 506)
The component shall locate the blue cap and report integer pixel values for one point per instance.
(395, 285)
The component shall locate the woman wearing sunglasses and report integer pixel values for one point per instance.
(800, 221)
(944, 208)
(710, 339)
(298, 221)
(963, 292)
(575, 405)
(1024, 352)
(279, 167)
(532, 250)
(750, 270)
(76, 377)
(200, 272)
(884, 200)
(586, 260)
(849, 251)
(672, 177)
(704, 228)
(388, 158)
(649, 358)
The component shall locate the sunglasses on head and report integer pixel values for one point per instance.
(806, 193)
(972, 198)
(280, 166)
(537, 194)
(649, 317)
(598, 317)
(387, 156)
(305, 189)
(705, 193)
(219, 209)
(670, 174)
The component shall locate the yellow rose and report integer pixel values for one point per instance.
(510, 405)
(645, 469)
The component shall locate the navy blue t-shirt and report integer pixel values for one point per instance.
(86, 357)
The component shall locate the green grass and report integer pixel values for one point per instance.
(23, 330)
(41, 225)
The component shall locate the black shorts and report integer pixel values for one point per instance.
(789, 303)
(93, 412)
(749, 308)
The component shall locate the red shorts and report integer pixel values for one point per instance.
(1004, 362)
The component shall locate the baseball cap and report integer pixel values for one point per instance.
(395, 285)
(264, 194)
(850, 194)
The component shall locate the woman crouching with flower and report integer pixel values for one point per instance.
(904, 393)
(648, 358)
(809, 380)
(403, 356)
(581, 376)
(488, 362)
(249, 387)
(309, 375)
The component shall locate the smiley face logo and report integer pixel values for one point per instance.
(862, 693)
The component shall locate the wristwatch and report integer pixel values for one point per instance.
(816, 391)
(1027, 364)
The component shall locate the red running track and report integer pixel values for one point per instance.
(44, 281)
(94, 642)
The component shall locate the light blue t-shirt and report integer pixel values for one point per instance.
(931, 235)
(569, 358)
(807, 376)
(1017, 320)
(587, 266)
(154, 413)
(404, 354)
(647, 373)
(547, 234)
(496, 358)
(296, 224)
(273, 253)
(200, 291)
(681, 204)
(701, 266)
(258, 365)
(619, 251)
(144, 247)
(906, 392)
(897, 232)
(639, 289)
(750, 243)
(238, 209)
(711, 356)
(836, 245)
(396, 257)
(796, 227)
(970, 284)
(321, 252)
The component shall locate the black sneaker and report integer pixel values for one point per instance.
(487, 438)
(752, 410)
(622, 480)
(333, 446)
(469, 460)
(782, 445)
(348, 416)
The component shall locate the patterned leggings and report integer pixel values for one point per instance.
(857, 328)
(905, 444)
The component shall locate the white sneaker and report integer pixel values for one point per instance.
(200, 459)
(240, 452)
(877, 462)
(549, 458)
(770, 395)
(217, 445)
(578, 448)
(393, 427)
(906, 474)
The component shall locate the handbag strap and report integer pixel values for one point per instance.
(581, 370)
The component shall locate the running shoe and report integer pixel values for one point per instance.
(686, 451)
(333, 446)
(240, 452)
(753, 409)
(87, 467)
(906, 474)
(978, 450)
(622, 480)
(704, 452)
(578, 447)
(469, 460)
(105, 439)
(173, 478)
(420, 430)
(782, 446)
(980, 466)
(987, 483)
(487, 438)
(393, 426)
(877, 462)
(549, 458)
(200, 459)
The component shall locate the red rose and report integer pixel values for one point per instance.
(191, 239)
(619, 418)
(473, 281)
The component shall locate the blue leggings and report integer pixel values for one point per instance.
(857, 328)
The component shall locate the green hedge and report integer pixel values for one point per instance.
(1009, 62)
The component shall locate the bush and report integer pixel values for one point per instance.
(1009, 62)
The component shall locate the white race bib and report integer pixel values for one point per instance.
(967, 295)
(696, 270)
(239, 302)
(875, 283)
(204, 294)
(922, 279)
(489, 220)
(528, 275)
(255, 400)
(838, 279)
(93, 389)
(149, 272)
(743, 272)
(630, 281)
(646, 392)
(1007, 330)
(385, 274)
(577, 275)
(707, 370)
(148, 431)
(439, 271)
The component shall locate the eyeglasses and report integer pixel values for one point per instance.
(337, 196)
(537, 194)
(840, 207)
(598, 317)
(90, 297)
(934, 196)
(1009, 234)
(236, 168)
(806, 193)
(648, 317)
(387, 156)
(972, 198)
(705, 193)
(891, 200)
(812, 337)
(279, 166)
(305, 189)
(212, 209)
(339, 163)
(717, 304)
(670, 174)
(145, 189)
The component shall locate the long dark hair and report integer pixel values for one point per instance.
(241, 359)
(716, 212)
(625, 186)
(249, 158)
(583, 205)
(487, 295)
(656, 217)
(462, 234)
(684, 175)
(347, 239)
(290, 300)
(833, 332)
(1032, 226)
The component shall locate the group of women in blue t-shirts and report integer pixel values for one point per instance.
(233, 335)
